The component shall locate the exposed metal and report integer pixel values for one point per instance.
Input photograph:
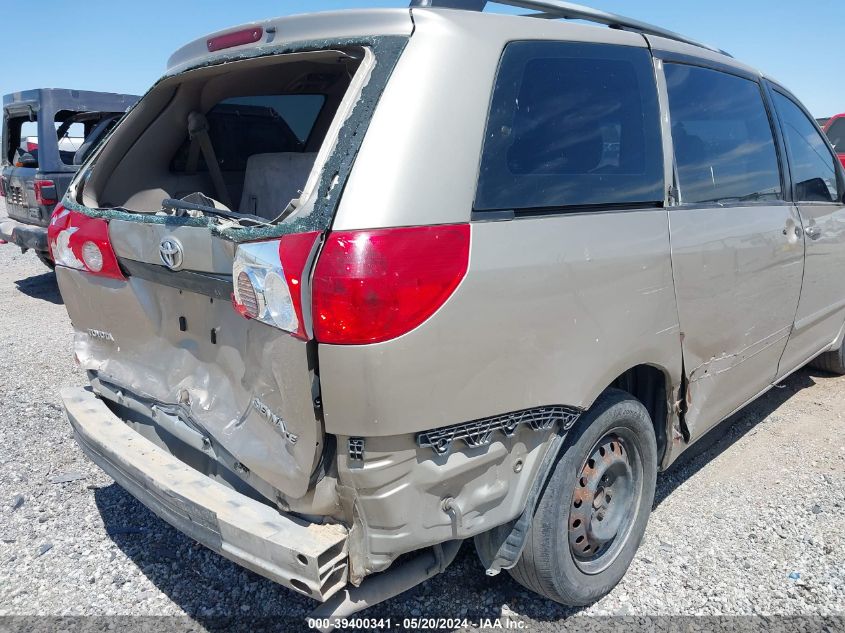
(309, 558)
(555, 9)
(480, 432)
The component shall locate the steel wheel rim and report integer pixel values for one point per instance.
(605, 502)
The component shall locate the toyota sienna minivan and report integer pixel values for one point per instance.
(355, 285)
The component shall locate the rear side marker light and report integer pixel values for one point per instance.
(267, 279)
(82, 243)
(375, 285)
(45, 192)
(235, 38)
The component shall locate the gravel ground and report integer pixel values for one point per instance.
(752, 524)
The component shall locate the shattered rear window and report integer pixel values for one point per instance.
(242, 126)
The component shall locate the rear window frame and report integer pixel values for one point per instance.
(508, 211)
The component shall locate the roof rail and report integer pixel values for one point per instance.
(555, 9)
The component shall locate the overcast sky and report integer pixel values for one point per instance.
(120, 46)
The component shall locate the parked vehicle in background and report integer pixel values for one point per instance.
(353, 285)
(835, 130)
(47, 134)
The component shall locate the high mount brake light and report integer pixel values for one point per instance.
(375, 285)
(235, 38)
(81, 242)
(268, 281)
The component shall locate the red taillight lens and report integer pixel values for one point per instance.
(374, 285)
(236, 38)
(31, 146)
(80, 242)
(45, 192)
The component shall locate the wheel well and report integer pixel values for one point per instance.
(648, 385)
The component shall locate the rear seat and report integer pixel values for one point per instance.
(273, 180)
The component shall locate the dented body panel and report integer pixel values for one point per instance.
(737, 282)
(215, 385)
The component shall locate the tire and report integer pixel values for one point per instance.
(45, 259)
(831, 362)
(552, 564)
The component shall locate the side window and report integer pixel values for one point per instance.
(572, 125)
(724, 146)
(812, 164)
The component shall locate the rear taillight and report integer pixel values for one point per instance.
(45, 192)
(374, 285)
(267, 279)
(81, 242)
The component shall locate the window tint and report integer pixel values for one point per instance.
(810, 161)
(242, 126)
(724, 147)
(836, 134)
(571, 125)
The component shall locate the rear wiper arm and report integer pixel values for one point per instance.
(175, 206)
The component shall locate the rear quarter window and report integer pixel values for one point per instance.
(571, 125)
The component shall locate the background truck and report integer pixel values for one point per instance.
(47, 134)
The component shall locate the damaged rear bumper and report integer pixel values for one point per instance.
(24, 235)
(307, 557)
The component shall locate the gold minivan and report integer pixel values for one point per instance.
(353, 285)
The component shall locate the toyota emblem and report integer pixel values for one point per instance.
(170, 251)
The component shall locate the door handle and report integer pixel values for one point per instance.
(813, 232)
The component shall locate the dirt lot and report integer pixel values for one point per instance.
(752, 524)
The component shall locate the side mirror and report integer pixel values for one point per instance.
(26, 160)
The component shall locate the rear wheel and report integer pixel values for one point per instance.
(833, 361)
(592, 515)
